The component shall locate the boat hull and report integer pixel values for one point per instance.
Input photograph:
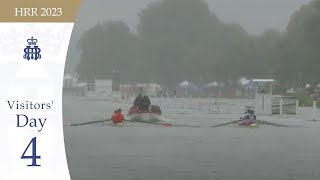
(144, 117)
(249, 125)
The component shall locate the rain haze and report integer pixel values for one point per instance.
(255, 16)
(193, 89)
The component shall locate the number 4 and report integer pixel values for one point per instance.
(34, 156)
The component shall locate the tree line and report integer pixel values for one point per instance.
(178, 40)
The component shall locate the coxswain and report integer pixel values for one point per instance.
(145, 105)
(138, 100)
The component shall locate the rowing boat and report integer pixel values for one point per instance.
(144, 117)
(117, 125)
(254, 125)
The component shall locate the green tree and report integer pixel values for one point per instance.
(180, 38)
(300, 54)
(107, 47)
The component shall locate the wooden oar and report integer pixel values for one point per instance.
(232, 122)
(90, 122)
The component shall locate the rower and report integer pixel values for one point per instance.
(245, 115)
(248, 118)
(114, 114)
(138, 100)
(118, 117)
(145, 104)
(251, 116)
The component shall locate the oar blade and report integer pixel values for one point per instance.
(232, 122)
(166, 124)
(271, 123)
(90, 122)
(182, 125)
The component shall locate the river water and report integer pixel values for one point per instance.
(149, 152)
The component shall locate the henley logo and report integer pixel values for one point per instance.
(32, 51)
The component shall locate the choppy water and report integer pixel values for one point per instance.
(144, 152)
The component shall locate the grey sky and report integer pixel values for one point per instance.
(254, 15)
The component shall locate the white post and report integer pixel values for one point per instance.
(297, 106)
(182, 102)
(209, 103)
(281, 104)
(191, 102)
(217, 104)
(314, 110)
(161, 101)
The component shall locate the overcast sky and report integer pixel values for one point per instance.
(254, 15)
